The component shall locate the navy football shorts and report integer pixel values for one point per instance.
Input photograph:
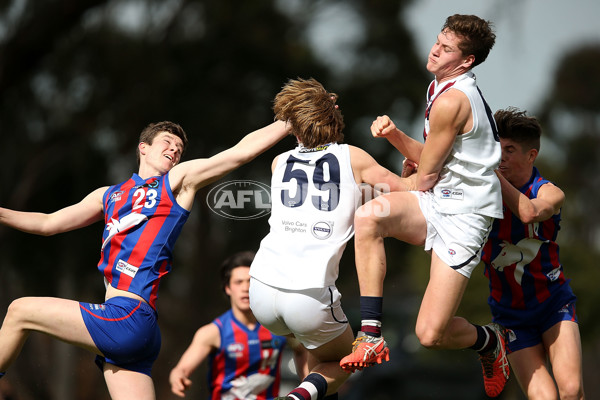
(528, 336)
(126, 331)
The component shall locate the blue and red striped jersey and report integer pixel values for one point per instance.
(247, 365)
(143, 222)
(522, 260)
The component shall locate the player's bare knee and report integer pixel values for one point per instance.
(429, 338)
(571, 390)
(430, 342)
(366, 224)
(15, 313)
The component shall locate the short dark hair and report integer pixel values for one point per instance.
(311, 110)
(240, 259)
(477, 35)
(516, 125)
(153, 129)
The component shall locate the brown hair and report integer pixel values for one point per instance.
(477, 35)
(241, 259)
(311, 111)
(516, 125)
(153, 129)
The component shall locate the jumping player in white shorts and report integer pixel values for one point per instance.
(314, 193)
(459, 196)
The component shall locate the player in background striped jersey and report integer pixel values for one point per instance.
(529, 294)
(244, 357)
(143, 217)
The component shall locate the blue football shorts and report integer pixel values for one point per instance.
(126, 331)
(528, 336)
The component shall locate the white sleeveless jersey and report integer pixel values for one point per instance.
(467, 181)
(314, 197)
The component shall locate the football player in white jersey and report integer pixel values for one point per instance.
(315, 193)
(451, 213)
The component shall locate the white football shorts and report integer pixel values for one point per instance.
(457, 239)
(314, 316)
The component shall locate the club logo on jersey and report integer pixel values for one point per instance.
(235, 350)
(126, 268)
(454, 194)
(116, 196)
(115, 226)
(452, 252)
(240, 200)
(554, 274)
(322, 229)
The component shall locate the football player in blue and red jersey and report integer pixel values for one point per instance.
(143, 217)
(529, 294)
(244, 356)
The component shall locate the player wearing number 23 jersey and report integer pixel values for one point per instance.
(143, 217)
(143, 221)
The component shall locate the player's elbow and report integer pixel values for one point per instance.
(529, 215)
(527, 218)
(46, 229)
(426, 181)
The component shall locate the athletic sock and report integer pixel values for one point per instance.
(313, 387)
(486, 339)
(371, 310)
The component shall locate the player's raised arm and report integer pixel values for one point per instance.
(384, 127)
(367, 170)
(84, 213)
(187, 177)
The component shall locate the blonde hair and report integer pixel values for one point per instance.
(311, 110)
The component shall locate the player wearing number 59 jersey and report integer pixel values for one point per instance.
(143, 221)
(314, 195)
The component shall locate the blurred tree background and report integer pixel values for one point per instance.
(79, 80)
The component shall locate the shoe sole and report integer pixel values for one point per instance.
(354, 366)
